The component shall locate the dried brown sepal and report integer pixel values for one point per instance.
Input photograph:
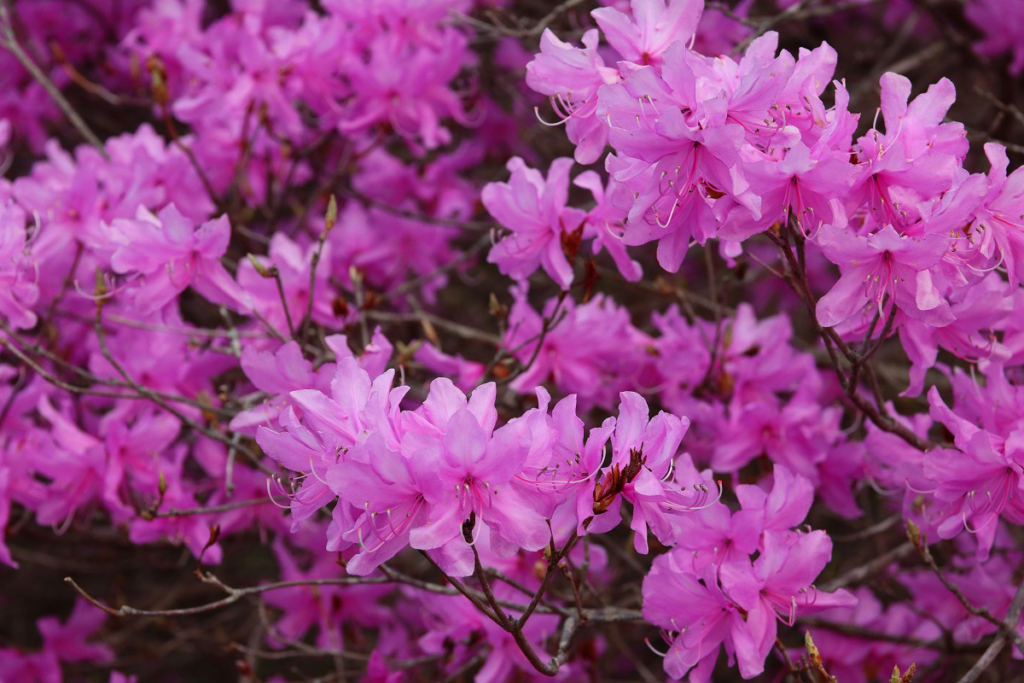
(615, 479)
(589, 280)
(339, 306)
(332, 214)
(496, 308)
(914, 534)
(501, 371)
(571, 242)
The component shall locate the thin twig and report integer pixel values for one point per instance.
(1008, 630)
(233, 594)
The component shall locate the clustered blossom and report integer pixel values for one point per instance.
(708, 592)
(757, 397)
(326, 307)
(438, 477)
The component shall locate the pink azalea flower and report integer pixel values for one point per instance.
(1000, 219)
(18, 289)
(806, 184)
(571, 357)
(388, 493)
(880, 268)
(474, 463)
(917, 156)
(62, 642)
(654, 26)
(697, 619)
(328, 428)
(977, 483)
(466, 374)
(1001, 23)
(644, 451)
(778, 585)
(978, 309)
(329, 609)
(277, 374)
(570, 77)
(534, 209)
(168, 253)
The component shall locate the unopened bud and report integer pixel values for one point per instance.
(260, 268)
(496, 308)
(812, 650)
(332, 214)
(914, 534)
(101, 290)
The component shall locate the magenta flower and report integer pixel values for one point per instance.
(570, 77)
(785, 506)
(534, 209)
(466, 374)
(74, 466)
(606, 224)
(715, 535)
(806, 184)
(916, 158)
(475, 466)
(696, 617)
(677, 164)
(62, 642)
(331, 610)
(778, 586)
(979, 309)
(277, 374)
(168, 253)
(328, 428)
(654, 26)
(979, 481)
(405, 85)
(1001, 216)
(881, 270)
(790, 434)
(132, 470)
(18, 289)
(1002, 24)
(644, 451)
(571, 357)
(412, 246)
(388, 493)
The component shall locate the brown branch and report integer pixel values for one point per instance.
(455, 328)
(226, 507)
(862, 572)
(233, 594)
(797, 279)
(532, 31)
(1008, 630)
(481, 575)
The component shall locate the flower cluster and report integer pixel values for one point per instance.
(708, 592)
(438, 477)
